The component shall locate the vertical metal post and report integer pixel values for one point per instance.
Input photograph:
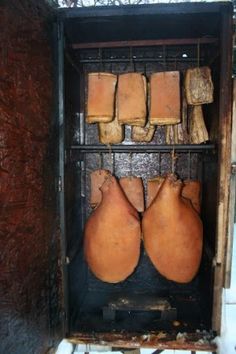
(61, 168)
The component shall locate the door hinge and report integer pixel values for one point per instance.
(233, 168)
(59, 184)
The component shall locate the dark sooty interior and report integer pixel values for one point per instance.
(88, 296)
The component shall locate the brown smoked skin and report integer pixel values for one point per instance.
(173, 233)
(112, 235)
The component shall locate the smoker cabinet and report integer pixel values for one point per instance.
(146, 310)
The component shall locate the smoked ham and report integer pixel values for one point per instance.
(153, 186)
(165, 98)
(112, 235)
(173, 233)
(111, 133)
(199, 86)
(131, 99)
(133, 189)
(192, 191)
(97, 178)
(101, 97)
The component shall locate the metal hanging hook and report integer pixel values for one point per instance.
(113, 163)
(100, 160)
(130, 164)
(131, 59)
(100, 60)
(159, 163)
(110, 158)
(164, 56)
(189, 164)
(173, 160)
(198, 53)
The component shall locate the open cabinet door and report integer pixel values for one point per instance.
(29, 271)
(231, 215)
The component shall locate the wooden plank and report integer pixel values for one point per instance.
(224, 167)
(230, 232)
(146, 43)
(197, 341)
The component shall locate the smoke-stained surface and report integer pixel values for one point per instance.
(28, 236)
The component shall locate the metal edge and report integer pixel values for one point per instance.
(61, 176)
(224, 163)
(151, 9)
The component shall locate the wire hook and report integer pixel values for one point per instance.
(100, 59)
(198, 53)
(131, 59)
(100, 161)
(189, 164)
(164, 56)
(173, 160)
(130, 164)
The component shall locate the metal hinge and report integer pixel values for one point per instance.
(59, 184)
(233, 168)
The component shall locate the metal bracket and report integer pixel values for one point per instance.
(59, 184)
(138, 303)
(233, 168)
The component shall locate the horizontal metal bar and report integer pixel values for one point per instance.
(146, 43)
(141, 148)
(139, 60)
(88, 12)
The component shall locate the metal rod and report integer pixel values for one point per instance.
(142, 43)
(139, 60)
(142, 148)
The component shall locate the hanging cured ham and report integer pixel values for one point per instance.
(133, 189)
(112, 235)
(97, 178)
(173, 233)
(153, 186)
(192, 191)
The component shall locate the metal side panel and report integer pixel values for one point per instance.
(230, 231)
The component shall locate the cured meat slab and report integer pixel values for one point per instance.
(101, 97)
(198, 130)
(112, 235)
(173, 233)
(131, 99)
(111, 133)
(199, 86)
(165, 98)
(143, 134)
